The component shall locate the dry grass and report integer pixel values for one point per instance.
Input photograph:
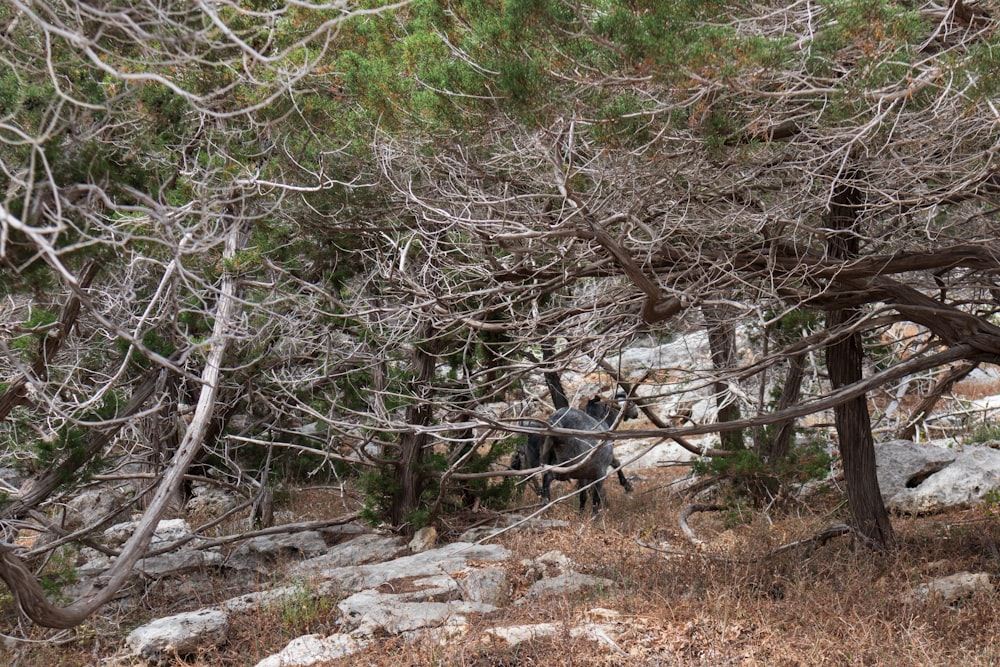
(730, 603)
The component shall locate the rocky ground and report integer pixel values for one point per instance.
(631, 586)
(524, 586)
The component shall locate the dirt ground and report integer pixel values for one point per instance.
(729, 601)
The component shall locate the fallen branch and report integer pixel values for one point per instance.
(688, 511)
(287, 528)
(823, 536)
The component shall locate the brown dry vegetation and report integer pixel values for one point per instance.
(730, 603)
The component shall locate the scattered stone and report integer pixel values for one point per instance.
(568, 583)
(313, 649)
(547, 565)
(634, 455)
(518, 634)
(904, 464)
(166, 532)
(179, 635)
(489, 585)
(186, 560)
(260, 553)
(514, 522)
(449, 559)
(953, 587)
(367, 548)
(424, 539)
(93, 505)
(209, 500)
(242, 604)
(677, 353)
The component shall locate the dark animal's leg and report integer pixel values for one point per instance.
(546, 483)
(600, 498)
(622, 479)
(582, 492)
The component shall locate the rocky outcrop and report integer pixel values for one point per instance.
(922, 478)
(953, 588)
(406, 594)
(313, 650)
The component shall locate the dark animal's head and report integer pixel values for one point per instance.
(606, 410)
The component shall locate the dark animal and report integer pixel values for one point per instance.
(570, 450)
(600, 415)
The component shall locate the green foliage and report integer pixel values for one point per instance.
(984, 63)
(624, 121)
(379, 486)
(991, 503)
(491, 493)
(382, 484)
(302, 609)
(37, 326)
(751, 477)
(66, 448)
(60, 571)
(983, 432)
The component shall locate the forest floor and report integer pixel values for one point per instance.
(731, 601)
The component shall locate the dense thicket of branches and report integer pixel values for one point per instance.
(344, 235)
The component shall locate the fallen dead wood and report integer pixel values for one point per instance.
(687, 512)
(288, 528)
(822, 537)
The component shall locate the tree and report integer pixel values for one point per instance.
(656, 156)
(135, 157)
(350, 254)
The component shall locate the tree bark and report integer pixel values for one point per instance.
(410, 477)
(844, 359)
(552, 380)
(781, 439)
(722, 343)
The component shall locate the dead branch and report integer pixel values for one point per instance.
(284, 529)
(927, 403)
(53, 342)
(687, 512)
(823, 536)
(37, 488)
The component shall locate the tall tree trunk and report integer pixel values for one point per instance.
(844, 358)
(410, 477)
(722, 343)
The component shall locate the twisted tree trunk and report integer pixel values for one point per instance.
(844, 357)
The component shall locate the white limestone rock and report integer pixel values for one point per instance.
(182, 634)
